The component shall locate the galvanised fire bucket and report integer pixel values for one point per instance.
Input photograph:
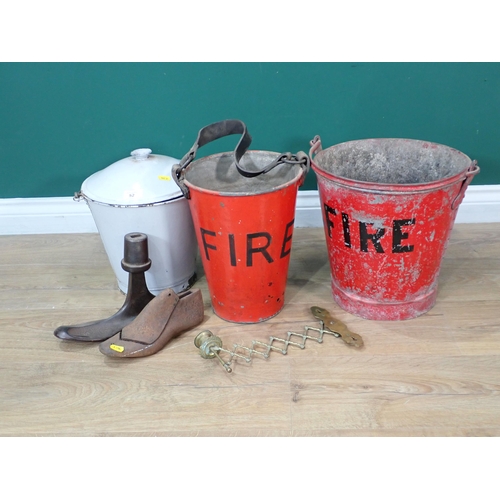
(243, 208)
(388, 209)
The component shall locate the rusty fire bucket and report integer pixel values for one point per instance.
(388, 209)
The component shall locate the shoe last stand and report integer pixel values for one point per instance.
(136, 262)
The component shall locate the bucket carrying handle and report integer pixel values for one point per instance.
(316, 146)
(469, 175)
(224, 128)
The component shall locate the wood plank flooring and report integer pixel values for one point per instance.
(437, 375)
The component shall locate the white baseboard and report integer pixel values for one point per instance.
(45, 216)
(64, 215)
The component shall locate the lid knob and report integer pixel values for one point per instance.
(141, 154)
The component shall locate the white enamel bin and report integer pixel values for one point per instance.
(138, 194)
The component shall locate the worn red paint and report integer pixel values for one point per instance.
(386, 242)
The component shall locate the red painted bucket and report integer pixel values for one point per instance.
(243, 209)
(388, 209)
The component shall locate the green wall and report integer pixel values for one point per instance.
(60, 122)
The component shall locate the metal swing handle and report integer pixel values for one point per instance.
(469, 175)
(224, 128)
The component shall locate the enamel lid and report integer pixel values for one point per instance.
(141, 179)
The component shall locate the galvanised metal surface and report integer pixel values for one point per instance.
(386, 239)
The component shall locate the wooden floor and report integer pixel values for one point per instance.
(437, 375)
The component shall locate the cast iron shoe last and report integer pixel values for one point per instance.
(164, 318)
(136, 262)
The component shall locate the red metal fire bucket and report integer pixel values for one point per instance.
(243, 209)
(388, 209)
